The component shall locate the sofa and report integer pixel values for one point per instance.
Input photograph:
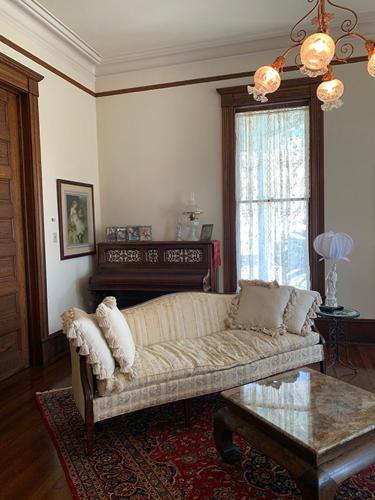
(183, 350)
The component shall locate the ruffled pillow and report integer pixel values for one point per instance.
(117, 333)
(83, 332)
(260, 305)
(302, 311)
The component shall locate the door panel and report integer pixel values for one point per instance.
(14, 351)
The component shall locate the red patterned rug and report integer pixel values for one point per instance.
(151, 455)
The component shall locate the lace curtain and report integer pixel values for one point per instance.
(272, 195)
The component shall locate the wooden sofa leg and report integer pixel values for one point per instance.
(187, 412)
(323, 367)
(89, 407)
(322, 364)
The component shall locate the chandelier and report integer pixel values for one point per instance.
(316, 55)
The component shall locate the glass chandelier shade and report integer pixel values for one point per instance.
(330, 93)
(371, 65)
(317, 52)
(266, 80)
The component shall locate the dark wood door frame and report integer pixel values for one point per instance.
(22, 81)
(295, 92)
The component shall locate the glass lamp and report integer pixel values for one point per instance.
(317, 52)
(192, 211)
(266, 80)
(371, 65)
(330, 92)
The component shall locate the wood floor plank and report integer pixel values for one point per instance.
(29, 465)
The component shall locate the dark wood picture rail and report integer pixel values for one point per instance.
(144, 88)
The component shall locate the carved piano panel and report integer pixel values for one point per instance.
(140, 270)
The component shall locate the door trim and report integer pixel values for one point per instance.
(17, 78)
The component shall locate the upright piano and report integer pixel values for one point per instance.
(136, 271)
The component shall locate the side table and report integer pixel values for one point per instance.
(337, 337)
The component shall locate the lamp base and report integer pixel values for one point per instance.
(330, 309)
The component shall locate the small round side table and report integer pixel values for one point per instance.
(337, 337)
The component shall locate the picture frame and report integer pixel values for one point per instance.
(145, 233)
(132, 233)
(121, 233)
(75, 203)
(206, 232)
(111, 233)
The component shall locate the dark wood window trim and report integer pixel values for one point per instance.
(291, 93)
(22, 81)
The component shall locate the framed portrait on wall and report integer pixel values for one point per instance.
(75, 201)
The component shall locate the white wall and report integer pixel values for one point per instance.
(350, 184)
(69, 151)
(157, 146)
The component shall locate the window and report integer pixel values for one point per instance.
(273, 191)
(272, 195)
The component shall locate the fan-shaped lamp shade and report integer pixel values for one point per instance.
(333, 246)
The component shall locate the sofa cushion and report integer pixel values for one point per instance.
(206, 383)
(223, 350)
(260, 305)
(302, 310)
(83, 332)
(117, 333)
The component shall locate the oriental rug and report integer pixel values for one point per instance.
(150, 454)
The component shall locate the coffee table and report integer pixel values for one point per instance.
(322, 430)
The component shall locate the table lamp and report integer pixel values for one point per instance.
(334, 247)
(192, 211)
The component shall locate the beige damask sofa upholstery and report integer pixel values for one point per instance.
(183, 350)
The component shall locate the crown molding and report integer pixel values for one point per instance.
(32, 34)
(214, 49)
(54, 40)
(60, 29)
(170, 56)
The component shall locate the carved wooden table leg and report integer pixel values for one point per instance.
(223, 438)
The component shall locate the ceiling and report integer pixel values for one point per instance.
(118, 28)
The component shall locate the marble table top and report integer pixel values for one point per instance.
(317, 411)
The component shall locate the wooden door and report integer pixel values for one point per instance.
(14, 350)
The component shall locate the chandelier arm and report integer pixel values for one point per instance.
(347, 49)
(301, 34)
(297, 60)
(292, 47)
(348, 25)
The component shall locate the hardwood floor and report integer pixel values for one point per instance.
(29, 466)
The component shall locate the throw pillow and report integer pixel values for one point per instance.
(301, 311)
(261, 306)
(117, 333)
(83, 332)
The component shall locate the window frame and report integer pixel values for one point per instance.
(295, 92)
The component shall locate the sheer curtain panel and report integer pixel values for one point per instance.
(272, 195)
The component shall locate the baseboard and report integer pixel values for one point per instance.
(53, 347)
(358, 331)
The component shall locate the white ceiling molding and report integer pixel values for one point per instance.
(60, 29)
(224, 47)
(31, 32)
(36, 21)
